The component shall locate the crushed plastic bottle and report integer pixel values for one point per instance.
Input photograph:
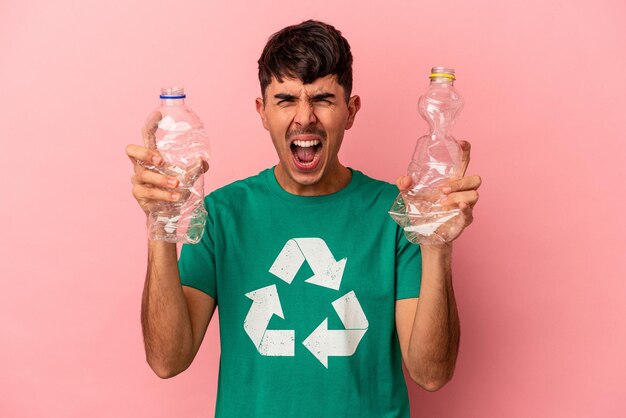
(182, 142)
(436, 159)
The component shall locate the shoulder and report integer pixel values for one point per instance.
(239, 189)
(374, 187)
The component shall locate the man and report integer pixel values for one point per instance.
(317, 287)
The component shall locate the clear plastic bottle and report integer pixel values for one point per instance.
(436, 159)
(182, 142)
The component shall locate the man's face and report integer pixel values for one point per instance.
(307, 123)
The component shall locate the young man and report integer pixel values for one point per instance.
(316, 285)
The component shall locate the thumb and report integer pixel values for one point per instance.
(465, 155)
(149, 128)
(404, 183)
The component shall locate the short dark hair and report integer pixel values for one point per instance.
(307, 52)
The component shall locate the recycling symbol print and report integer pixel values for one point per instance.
(327, 272)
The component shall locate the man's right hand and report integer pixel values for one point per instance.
(174, 318)
(150, 187)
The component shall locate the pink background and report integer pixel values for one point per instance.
(540, 276)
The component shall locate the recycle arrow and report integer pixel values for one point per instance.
(323, 342)
(327, 272)
(268, 342)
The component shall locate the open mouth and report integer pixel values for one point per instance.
(306, 153)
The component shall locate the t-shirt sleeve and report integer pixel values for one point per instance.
(196, 264)
(408, 267)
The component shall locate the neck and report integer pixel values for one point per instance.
(329, 183)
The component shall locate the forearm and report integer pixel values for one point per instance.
(165, 319)
(434, 342)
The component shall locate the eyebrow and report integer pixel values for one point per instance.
(323, 96)
(317, 97)
(284, 96)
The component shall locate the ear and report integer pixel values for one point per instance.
(260, 108)
(354, 104)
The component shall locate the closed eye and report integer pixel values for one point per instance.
(324, 98)
(284, 98)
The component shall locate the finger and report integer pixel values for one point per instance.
(404, 183)
(468, 217)
(146, 155)
(205, 166)
(468, 213)
(465, 155)
(145, 194)
(464, 183)
(147, 177)
(149, 128)
(461, 199)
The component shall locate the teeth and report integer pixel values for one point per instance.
(306, 144)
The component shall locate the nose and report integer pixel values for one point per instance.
(305, 114)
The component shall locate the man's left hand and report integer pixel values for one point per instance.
(460, 192)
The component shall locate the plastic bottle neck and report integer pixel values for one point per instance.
(172, 102)
(172, 96)
(442, 80)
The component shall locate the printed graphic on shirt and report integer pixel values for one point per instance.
(327, 272)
